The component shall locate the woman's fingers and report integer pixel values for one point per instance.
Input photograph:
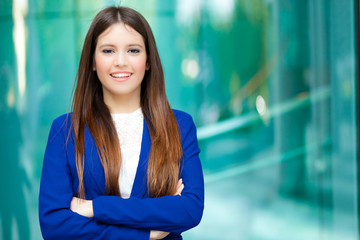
(179, 183)
(179, 187)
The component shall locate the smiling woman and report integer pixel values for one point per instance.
(123, 164)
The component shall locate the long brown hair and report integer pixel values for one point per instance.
(89, 110)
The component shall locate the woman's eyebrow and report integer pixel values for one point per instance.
(136, 45)
(106, 45)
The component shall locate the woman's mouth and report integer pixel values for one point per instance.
(121, 76)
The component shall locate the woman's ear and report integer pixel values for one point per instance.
(147, 67)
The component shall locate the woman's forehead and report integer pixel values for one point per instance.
(120, 32)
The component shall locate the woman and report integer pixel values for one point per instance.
(123, 164)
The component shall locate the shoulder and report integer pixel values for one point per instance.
(62, 122)
(187, 130)
(183, 118)
(185, 123)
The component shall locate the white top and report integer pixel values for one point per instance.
(129, 127)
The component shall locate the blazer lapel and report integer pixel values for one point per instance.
(139, 188)
(94, 177)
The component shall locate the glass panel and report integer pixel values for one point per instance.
(270, 84)
(282, 145)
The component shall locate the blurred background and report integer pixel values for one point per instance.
(271, 85)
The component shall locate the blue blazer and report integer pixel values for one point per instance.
(114, 217)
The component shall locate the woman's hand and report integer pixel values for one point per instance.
(82, 207)
(179, 187)
(159, 234)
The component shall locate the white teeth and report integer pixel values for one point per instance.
(120, 75)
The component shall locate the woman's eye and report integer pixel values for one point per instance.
(107, 51)
(134, 50)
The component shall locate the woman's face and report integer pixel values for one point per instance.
(120, 63)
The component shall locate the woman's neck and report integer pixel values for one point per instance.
(123, 109)
(122, 104)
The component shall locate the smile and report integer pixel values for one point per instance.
(121, 76)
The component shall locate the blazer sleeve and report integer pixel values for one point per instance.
(57, 221)
(168, 213)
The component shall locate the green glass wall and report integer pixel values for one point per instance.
(271, 87)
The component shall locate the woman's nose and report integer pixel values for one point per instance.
(120, 60)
